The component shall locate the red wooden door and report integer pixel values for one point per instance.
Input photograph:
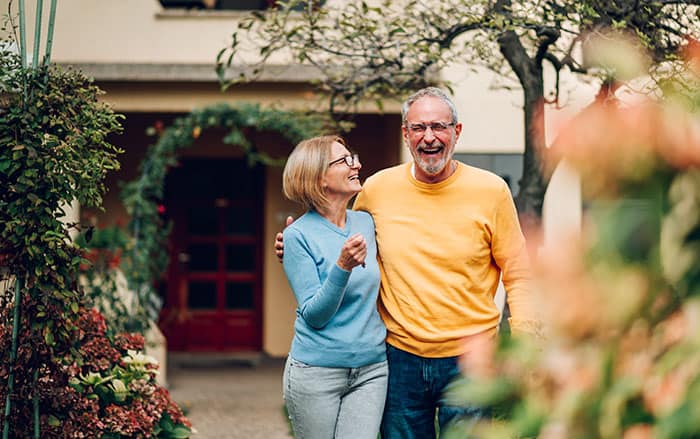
(214, 294)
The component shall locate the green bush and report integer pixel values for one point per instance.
(53, 150)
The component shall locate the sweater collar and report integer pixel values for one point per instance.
(410, 170)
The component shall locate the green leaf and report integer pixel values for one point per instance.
(5, 165)
(179, 432)
(48, 336)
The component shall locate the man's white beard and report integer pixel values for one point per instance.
(432, 168)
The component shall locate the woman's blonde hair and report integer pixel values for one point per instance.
(305, 167)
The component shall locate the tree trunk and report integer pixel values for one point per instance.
(532, 185)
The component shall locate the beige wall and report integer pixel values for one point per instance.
(136, 31)
(562, 209)
(278, 302)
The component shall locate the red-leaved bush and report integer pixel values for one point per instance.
(98, 388)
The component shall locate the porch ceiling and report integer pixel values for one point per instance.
(191, 72)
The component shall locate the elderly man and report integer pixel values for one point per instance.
(446, 232)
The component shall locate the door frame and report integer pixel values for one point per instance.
(178, 321)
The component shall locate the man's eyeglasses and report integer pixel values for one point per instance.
(437, 127)
(349, 160)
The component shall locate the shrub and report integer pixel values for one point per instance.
(59, 372)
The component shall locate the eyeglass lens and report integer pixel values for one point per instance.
(435, 126)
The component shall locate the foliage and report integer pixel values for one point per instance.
(145, 257)
(372, 50)
(621, 302)
(105, 286)
(107, 390)
(53, 150)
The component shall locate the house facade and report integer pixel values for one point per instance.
(224, 290)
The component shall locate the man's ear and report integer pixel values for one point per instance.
(404, 133)
(288, 221)
(458, 130)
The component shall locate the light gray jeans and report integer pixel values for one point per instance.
(330, 402)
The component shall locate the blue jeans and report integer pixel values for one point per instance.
(334, 402)
(416, 389)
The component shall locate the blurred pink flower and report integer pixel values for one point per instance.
(608, 143)
(638, 431)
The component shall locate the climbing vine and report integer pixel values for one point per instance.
(145, 256)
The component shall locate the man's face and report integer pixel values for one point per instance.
(431, 138)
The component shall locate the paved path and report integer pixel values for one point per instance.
(232, 400)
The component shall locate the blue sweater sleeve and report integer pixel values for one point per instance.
(317, 301)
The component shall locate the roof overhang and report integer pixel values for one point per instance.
(113, 72)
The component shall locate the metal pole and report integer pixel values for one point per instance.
(22, 37)
(37, 32)
(49, 35)
(13, 355)
(37, 425)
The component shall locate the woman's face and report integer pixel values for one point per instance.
(341, 179)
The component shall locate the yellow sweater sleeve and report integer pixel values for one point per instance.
(510, 254)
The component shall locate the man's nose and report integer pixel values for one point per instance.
(429, 135)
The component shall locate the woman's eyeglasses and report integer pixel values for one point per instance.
(349, 160)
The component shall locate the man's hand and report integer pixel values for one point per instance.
(478, 359)
(279, 244)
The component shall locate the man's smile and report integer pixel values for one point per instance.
(430, 150)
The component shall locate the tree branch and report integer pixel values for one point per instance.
(675, 2)
(546, 37)
(557, 64)
(516, 55)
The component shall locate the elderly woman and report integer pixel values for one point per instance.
(336, 374)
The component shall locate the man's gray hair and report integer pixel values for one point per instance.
(428, 91)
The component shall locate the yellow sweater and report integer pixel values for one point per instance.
(441, 250)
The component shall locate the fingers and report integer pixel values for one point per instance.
(279, 240)
(279, 246)
(353, 253)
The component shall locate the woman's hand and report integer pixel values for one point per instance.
(353, 253)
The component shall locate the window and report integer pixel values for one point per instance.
(508, 166)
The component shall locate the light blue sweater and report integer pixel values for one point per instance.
(337, 322)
